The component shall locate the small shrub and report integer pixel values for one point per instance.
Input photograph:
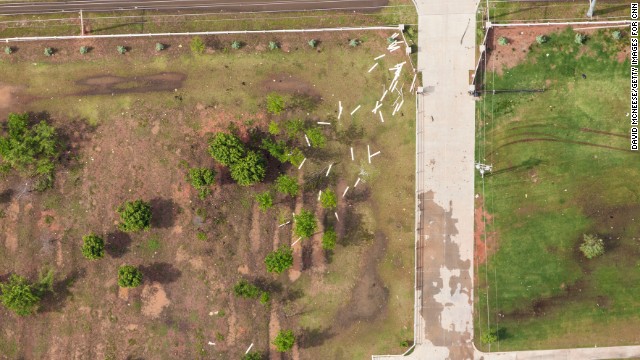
(277, 149)
(252, 356)
(489, 337)
(404, 343)
(48, 51)
(275, 104)
(236, 45)
(8, 50)
(296, 157)
(219, 336)
(284, 340)
(328, 199)
(616, 35)
(329, 239)
(293, 127)
(84, 49)
(354, 42)
(279, 260)
(580, 39)
(249, 170)
(273, 45)
(274, 128)
(135, 216)
(160, 46)
(129, 276)
(197, 45)
(503, 41)
(92, 247)
(287, 185)
(541, 39)
(390, 40)
(592, 246)
(265, 298)
(227, 149)
(313, 43)
(245, 289)
(19, 296)
(201, 236)
(316, 138)
(265, 201)
(121, 49)
(305, 224)
(201, 179)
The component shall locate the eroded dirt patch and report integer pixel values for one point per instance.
(154, 300)
(485, 241)
(108, 84)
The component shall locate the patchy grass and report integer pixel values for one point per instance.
(562, 168)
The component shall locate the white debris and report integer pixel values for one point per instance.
(249, 349)
(336, 214)
(356, 109)
(352, 154)
(323, 123)
(383, 95)
(328, 170)
(302, 163)
(306, 138)
(379, 57)
(339, 109)
(373, 67)
(357, 182)
(381, 118)
(345, 192)
(378, 105)
(413, 82)
(319, 194)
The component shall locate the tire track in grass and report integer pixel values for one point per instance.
(296, 270)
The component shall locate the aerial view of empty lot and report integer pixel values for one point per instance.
(214, 197)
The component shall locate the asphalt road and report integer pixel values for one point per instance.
(44, 7)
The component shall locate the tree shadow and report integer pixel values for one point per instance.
(55, 300)
(269, 285)
(358, 195)
(355, 231)
(161, 272)
(6, 195)
(307, 255)
(117, 244)
(290, 294)
(164, 212)
(313, 337)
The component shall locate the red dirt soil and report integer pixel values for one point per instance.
(485, 242)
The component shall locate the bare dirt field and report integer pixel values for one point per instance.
(132, 125)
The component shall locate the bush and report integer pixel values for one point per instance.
(227, 149)
(592, 246)
(275, 104)
(121, 49)
(246, 290)
(48, 51)
(316, 138)
(249, 170)
(84, 49)
(201, 179)
(236, 45)
(8, 50)
(277, 149)
(305, 224)
(580, 39)
(265, 201)
(274, 128)
(92, 247)
(284, 340)
(135, 216)
(197, 45)
(30, 150)
(265, 298)
(616, 35)
(296, 157)
(541, 39)
(19, 296)
(328, 199)
(160, 46)
(252, 356)
(354, 42)
(489, 337)
(129, 276)
(503, 41)
(201, 236)
(329, 239)
(313, 43)
(293, 127)
(287, 185)
(279, 260)
(273, 45)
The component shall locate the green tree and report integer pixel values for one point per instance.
(252, 356)
(135, 216)
(503, 41)
(278, 149)
(129, 276)
(227, 149)
(265, 200)
(84, 49)
(30, 149)
(580, 39)
(313, 43)
(275, 104)
(273, 45)
(293, 127)
(541, 39)
(316, 138)
(92, 247)
(8, 50)
(284, 340)
(279, 260)
(265, 298)
(592, 246)
(329, 239)
(197, 45)
(160, 46)
(236, 44)
(489, 337)
(287, 185)
(48, 51)
(201, 179)
(328, 199)
(249, 170)
(305, 224)
(245, 289)
(121, 49)
(19, 296)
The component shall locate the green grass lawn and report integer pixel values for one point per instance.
(562, 168)
(506, 11)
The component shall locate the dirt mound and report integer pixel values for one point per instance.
(154, 300)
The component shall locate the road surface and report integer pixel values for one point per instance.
(14, 8)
